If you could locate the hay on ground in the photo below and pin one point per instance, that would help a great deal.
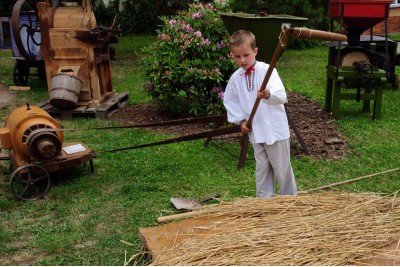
(318, 229)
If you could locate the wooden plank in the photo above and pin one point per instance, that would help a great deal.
(47, 107)
(94, 78)
(19, 88)
(85, 95)
(111, 106)
(117, 98)
(66, 14)
(42, 104)
(73, 18)
(386, 256)
(91, 110)
(65, 115)
(69, 53)
(158, 238)
(72, 38)
(68, 38)
(104, 111)
(104, 72)
(44, 20)
(80, 109)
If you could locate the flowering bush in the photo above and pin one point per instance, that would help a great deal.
(189, 65)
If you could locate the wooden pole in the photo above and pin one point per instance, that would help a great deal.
(294, 32)
(348, 181)
(280, 47)
(183, 215)
(316, 34)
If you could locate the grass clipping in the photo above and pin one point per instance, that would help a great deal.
(318, 229)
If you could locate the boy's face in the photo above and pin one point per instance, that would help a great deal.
(244, 55)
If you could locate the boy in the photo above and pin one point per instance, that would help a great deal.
(269, 133)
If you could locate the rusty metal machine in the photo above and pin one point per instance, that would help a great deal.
(359, 69)
(36, 150)
(76, 54)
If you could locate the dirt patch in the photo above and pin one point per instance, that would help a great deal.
(6, 96)
(315, 127)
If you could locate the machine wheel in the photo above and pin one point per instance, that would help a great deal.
(30, 182)
(27, 32)
(365, 69)
(20, 74)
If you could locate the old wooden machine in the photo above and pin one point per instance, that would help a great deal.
(359, 69)
(77, 59)
(37, 149)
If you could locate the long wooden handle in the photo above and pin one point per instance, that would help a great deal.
(347, 181)
(178, 216)
(316, 34)
(294, 32)
(280, 47)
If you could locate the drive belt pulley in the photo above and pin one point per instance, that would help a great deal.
(43, 145)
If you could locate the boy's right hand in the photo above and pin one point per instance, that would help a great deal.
(244, 128)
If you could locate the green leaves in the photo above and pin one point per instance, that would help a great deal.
(188, 60)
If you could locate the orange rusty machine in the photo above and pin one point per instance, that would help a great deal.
(77, 58)
(37, 149)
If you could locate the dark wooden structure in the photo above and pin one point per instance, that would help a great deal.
(76, 54)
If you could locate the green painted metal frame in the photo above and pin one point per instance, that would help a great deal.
(372, 89)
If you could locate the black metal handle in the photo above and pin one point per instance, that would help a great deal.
(209, 198)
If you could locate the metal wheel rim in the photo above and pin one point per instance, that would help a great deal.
(16, 28)
(30, 187)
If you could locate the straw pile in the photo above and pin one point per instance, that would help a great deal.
(318, 229)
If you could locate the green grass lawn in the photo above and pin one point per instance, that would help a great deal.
(84, 217)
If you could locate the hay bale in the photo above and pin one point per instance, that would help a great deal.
(318, 229)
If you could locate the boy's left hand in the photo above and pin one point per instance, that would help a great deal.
(263, 94)
(243, 127)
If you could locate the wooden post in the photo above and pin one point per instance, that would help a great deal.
(243, 151)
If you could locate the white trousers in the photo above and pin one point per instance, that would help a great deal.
(274, 161)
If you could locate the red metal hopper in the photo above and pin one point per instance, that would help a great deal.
(358, 15)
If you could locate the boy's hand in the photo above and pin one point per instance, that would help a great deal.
(263, 94)
(244, 128)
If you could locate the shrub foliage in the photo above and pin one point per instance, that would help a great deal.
(189, 65)
(137, 16)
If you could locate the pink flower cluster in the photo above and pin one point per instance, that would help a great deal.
(197, 15)
(188, 34)
(218, 72)
(164, 37)
(214, 72)
(219, 91)
(207, 6)
(220, 45)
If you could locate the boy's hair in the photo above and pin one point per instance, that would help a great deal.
(243, 37)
